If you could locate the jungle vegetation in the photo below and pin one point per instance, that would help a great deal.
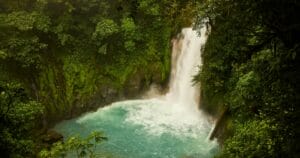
(251, 70)
(58, 56)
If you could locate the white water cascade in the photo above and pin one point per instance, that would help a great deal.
(186, 58)
(178, 113)
(169, 125)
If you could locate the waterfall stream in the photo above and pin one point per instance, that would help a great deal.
(164, 126)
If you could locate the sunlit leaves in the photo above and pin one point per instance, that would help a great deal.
(27, 21)
(97, 136)
(149, 7)
(129, 45)
(3, 54)
(24, 50)
(20, 20)
(105, 28)
(76, 146)
(18, 45)
(130, 33)
(248, 85)
(252, 139)
(18, 117)
(17, 110)
(128, 27)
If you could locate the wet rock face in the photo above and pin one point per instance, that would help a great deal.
(140, 82)
(51, 137)
(108, 94)
(134, 85)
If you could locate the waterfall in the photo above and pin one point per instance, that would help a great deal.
(186, 58)
(178, 110)
(169, 125)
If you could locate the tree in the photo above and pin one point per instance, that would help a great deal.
(255, 138)
(76, 146)
(250, 66)
(19, 117)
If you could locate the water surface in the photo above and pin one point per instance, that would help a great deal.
(156, 134)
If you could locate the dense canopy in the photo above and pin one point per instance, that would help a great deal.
(251, 68)
(60, 58)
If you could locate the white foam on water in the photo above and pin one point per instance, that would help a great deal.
(177, 112)
(157, 118)
(169, 124)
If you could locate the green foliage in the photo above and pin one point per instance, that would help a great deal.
(130, 34)
(252, 139)
(245, 93)
(149, 7)
(105, 28)
(19, 116)
(128, 27)
(81, 80)
(67, 53)
(25, 21)
(18, 40)
(250, 66)
(75, 147)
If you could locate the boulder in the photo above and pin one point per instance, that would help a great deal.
(51, 137)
